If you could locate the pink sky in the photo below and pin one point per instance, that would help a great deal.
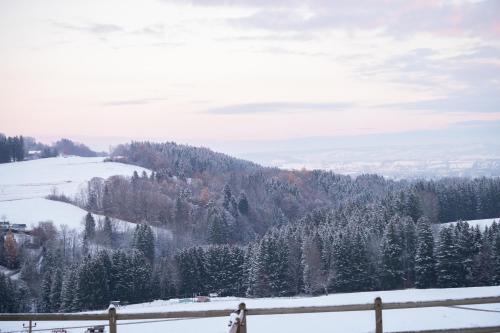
(277, 70)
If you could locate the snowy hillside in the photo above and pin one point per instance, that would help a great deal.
(473, 223)
(411, 319)
(37, 178)
(24, 185)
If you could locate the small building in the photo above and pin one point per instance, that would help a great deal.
(202, 299)
(19, 226)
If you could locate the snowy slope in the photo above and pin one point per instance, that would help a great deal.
(473, 223)
(32, 211)
(24, 185)
(37, 178)
(364, 321)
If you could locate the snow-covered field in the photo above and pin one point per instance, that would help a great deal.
(473, 223)
(24, 185)
(363, 321)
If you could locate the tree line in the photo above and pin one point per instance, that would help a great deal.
(11, 148)
(318, 255)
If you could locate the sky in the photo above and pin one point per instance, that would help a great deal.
(206, 71)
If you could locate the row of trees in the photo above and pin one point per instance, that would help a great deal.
(317, 255)
(11, 148)
(96, 281)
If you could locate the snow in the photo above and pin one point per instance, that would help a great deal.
(24, 186)
(362, 321)
(473, 223)
(37, 178)
(32, 211)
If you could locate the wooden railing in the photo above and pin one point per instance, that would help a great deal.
(377, 306)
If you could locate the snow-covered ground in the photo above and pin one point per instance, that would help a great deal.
(24, 186)
(32, 211)
(362, 321)
(473, 223)
(37, 178)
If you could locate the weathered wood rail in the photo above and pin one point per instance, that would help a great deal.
(113, 317)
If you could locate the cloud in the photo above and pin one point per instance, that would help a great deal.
(93, 28)
(278, 107)
(396, 18)
(475, 101)
(131, 102)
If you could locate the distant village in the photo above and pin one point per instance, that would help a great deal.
(6, 225)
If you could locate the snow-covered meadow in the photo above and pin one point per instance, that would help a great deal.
(24, 186)
(482, 224)
(362, 321)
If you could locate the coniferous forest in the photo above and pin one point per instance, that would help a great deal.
(210, 223)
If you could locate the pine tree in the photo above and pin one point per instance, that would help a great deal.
(108, 232)
(68, 290)
(55, 290)
(89, 226)
(496, 256)
(483, 265)
(409, 242)
(218, 227)
(45, 304)
(392, 252)
(272, 276)
(465, 252)
(8, 302)
(243, 206)
(425, 274)
(447, 260)
(144, 241)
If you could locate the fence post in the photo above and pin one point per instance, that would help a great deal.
(243, 315)
(378, 315)
(112, 319)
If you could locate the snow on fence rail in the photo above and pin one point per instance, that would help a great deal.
(112, 317)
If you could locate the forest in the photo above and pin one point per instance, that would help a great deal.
(210, 223)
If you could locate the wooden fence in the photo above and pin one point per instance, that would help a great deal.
(377, 306)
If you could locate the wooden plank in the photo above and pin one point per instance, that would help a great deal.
(174, 314)
(378, 315)
(52, 316)
(489, 329)
(310, 309)
(449, 302)
(255, 312)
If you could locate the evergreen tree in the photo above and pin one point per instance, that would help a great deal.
(108, 232)
(409, 242)
(465, 253)
(68, 290)
(392, 252)
(243, 206)
(272, 274)
(447, 260)
(89, 226)
(45, 299)
(483, 265)
(218, 227)
(496, 256)
(8, 302)
(144, 241)
(425, 274)
(55, 290)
